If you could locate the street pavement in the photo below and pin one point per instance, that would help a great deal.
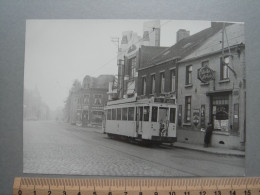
(52, 147)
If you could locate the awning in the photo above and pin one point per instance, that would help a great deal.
(219, 92)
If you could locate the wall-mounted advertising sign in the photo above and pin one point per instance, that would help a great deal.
(205, 74)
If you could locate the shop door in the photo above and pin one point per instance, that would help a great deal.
(220, 112)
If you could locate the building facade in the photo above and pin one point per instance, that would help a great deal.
(220, 100)
(87, 102)
(130, 54)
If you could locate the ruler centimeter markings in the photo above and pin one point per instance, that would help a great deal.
(182, 186)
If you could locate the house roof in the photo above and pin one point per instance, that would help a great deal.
(186, 45)
(148, 52)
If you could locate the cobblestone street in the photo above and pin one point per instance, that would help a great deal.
(58, 148)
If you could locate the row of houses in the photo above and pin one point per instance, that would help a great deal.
(204, 72)
(86, 100)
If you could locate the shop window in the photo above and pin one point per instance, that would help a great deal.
(220, 112)
(143, 85)
(118, 113)
(146, 113)
(173, 80)
(162, 82)
(124, 114)
(98, 99)
(131, 113)
(224, 70)
(189, 75)
(172, 115)
(188, 109)
(153, 84)
(154, 114)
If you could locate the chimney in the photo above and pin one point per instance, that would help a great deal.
(181, 34)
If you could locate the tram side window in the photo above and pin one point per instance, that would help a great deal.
(113, 114)
(154, 114)
(141, 110)
(118, 112)
(131, 113)
(146, 113)
(124, 114)
(109, 114)
(172, 115)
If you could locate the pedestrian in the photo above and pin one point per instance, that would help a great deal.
(208, 135)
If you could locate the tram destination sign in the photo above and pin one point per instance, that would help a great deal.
(205, 74)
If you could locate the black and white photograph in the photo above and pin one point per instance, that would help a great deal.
(147, 98)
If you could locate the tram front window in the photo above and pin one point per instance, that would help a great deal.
(154, 113)
(172, 115)
(163, 114)
(146, 113)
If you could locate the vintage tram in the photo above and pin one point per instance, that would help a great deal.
(146, 120)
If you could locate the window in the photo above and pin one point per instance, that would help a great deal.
(131, 113)
(172, 115)
(124, 114)
(113, 114)
(118, 114)
(153, 84)
(109, 114)
(132, 69)
(146, 113)
(86, 99)
(224, 72)
(97, 99)
(143, 85)
(205, 63)
(188, 109)
(162, 80)
(188, 74)
(154, 114)
(173, 80)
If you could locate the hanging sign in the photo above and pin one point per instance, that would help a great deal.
(205, 74)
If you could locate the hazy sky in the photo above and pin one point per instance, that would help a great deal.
(59, 51)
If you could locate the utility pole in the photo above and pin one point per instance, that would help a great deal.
(116, 41)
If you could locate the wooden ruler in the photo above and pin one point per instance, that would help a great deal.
(186, 186)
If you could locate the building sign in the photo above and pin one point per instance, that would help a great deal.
(196, 116)
(205, 74)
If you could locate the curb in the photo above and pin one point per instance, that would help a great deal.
(210, 152)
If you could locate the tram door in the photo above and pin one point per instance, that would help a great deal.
(139, 120)
(163, 121)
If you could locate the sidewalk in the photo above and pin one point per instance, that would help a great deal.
(220, 151)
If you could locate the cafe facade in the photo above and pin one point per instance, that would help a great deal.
(212, 89)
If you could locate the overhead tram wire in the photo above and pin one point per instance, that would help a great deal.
(108, 62)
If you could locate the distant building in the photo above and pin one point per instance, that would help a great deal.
(181, 34)
(87, 102)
